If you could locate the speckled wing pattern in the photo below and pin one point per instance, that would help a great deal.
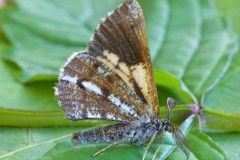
(113, 78)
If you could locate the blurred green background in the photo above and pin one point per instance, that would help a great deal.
(195, 52)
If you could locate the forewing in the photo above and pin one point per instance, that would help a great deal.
(112, 79)
(180, 140)
(120, 43)
(88, 89)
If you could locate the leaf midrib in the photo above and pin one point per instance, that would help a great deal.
(34, 145)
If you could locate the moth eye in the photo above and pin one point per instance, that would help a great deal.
(166, 128)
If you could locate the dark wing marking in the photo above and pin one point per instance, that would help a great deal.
(121, 38)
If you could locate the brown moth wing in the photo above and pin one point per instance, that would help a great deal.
(88, 89)
(120, 42)
(113, 79)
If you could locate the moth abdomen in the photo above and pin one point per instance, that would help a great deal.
(107, 134)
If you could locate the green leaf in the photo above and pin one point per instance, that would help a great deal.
(156, 16)
(201, 146)
(31, 143)
(181, 36)
(191, 43)
(32, 97)
(221, 102)
(212, 120)
(164, 79)
(229, 142)
(225, 95)
(229, 9)
(197, 50)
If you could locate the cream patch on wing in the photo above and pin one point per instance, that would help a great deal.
(69, 79)
(92, 87)
(124, 68)
(111, 62)
(122, 105)
(113, 58)
(139, 74)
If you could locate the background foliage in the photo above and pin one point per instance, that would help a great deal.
(194, 48)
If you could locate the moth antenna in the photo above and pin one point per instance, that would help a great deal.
(179, 138)
(170, 105)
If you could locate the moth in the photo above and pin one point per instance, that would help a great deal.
(113, 80)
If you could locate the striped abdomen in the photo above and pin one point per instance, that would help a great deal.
(107, 134)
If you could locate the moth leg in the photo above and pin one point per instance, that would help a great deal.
(161, 142)
(109, 146)
(148, 145)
